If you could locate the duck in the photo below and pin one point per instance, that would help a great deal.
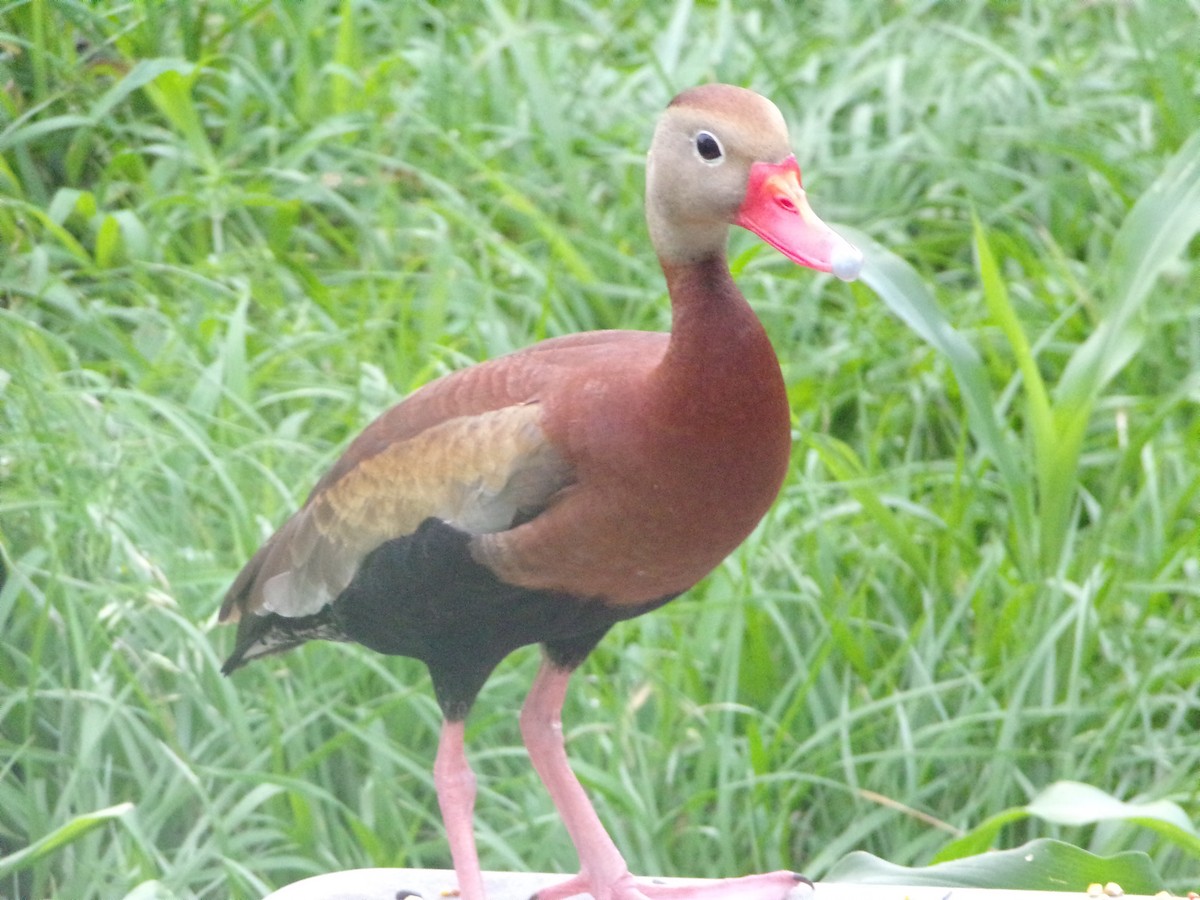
(543, 496)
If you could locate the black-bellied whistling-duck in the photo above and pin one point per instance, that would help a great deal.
(545, 495)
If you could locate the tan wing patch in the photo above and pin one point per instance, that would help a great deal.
(476, 472)
(479, 473)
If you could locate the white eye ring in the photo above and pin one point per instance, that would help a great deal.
(708, 148)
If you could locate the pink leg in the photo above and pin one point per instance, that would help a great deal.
(455, 784)
(602, 870)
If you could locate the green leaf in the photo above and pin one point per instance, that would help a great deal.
(981, 838)
(23, 130)
(1158, 228)
(1073, 803)
(135, 239)
(1042, 865)
(68, 201)
(108, 242)
(63, 237)
(1055, 449)
(843, 463)
(347, 97)
(995, 293)
(906, 294)
(142, 74)
(60, 837)
(171, 92)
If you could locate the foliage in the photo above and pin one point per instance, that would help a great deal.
(1042, 865)
(235, 230)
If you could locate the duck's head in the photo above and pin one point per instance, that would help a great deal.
(720, 156)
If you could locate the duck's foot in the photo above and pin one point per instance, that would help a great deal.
(770, 886)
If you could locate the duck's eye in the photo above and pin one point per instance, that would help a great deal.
(709, 147)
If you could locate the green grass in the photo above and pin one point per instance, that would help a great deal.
(233, 232)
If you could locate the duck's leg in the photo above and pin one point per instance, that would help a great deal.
(455, 784)
(602, 870)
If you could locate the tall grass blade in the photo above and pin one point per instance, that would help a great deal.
(1054, 456)
(60, 837)
(144, 72)
(908, 297)
(1161, 224)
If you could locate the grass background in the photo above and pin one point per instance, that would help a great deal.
(235, 231)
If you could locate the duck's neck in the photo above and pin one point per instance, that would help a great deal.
(718, 394)
(713, 328)
(719, 366)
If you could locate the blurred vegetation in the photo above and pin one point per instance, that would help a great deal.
(235, 231)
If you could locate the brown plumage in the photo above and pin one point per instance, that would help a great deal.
(545, 495)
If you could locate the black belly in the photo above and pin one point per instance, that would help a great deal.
(424, 596)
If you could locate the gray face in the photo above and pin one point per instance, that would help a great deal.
(699, 163)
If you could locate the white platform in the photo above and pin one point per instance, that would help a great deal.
(435, 884)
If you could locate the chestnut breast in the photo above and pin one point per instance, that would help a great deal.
(678, 446)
